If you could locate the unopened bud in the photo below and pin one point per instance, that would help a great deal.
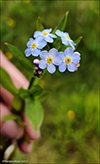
(39, 72)
(36, 68)
(36, 61)
(34, 73)
(38, 75)
(77, 65)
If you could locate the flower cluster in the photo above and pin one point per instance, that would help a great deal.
(64, 60)
(37, 71)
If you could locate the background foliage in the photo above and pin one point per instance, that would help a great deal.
(70, 131)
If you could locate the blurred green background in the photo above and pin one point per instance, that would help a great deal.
(70, 130)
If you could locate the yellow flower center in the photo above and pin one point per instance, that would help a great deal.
(49, 60)
(34, 45)
(68, 60)
(68, 37)
(45, 33)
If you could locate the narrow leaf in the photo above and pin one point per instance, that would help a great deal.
(77, 41)
(53, 32)
(10, 117)
(7, 82)
(34, 112)
(15, 118)
(21, 58)
(39, 26)
(61, 26)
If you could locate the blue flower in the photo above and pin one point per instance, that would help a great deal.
(34, 46)
(49, 60)
(69, 60)
(45, 35)
(65, 38)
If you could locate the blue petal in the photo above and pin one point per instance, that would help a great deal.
(66, 34)
(65, 40)
(28, 52)
(71, 44)
(31, 39)
(48, 39)
(72, 67)
(44, 54)
(42, 44)
(75, 58)
(57, 60)
(35, 52)
(37, 33)
(68, 51)
(51, 68)
(52, 35)
(62, 67)
(61, 55)
(47, 30)
(39, 39)
(42, 64)
(59, 33)
(53, 52)
(77, 53)
(30, 42)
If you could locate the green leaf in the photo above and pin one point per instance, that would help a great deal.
(39, 26)
(57, 43)
(14, 117)
(53, 32)
(77, 41)
(34, 112)
(63, 47)
(61, 26)
(43, 96)
(33, 91)
(21, 58)
(17, 103)
(10, 117)
(24, 93)
(36, 90)
(7, 82)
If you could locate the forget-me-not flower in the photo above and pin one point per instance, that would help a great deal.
(34, 46)
(69, 60)
(65, 38)
(45, 35)
(49, 60)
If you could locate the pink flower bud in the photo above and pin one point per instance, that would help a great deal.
(34, 73)
(39, 72)
(36, 61)
(36, 68)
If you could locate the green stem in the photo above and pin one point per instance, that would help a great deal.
(35, 80)
(31, 82)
